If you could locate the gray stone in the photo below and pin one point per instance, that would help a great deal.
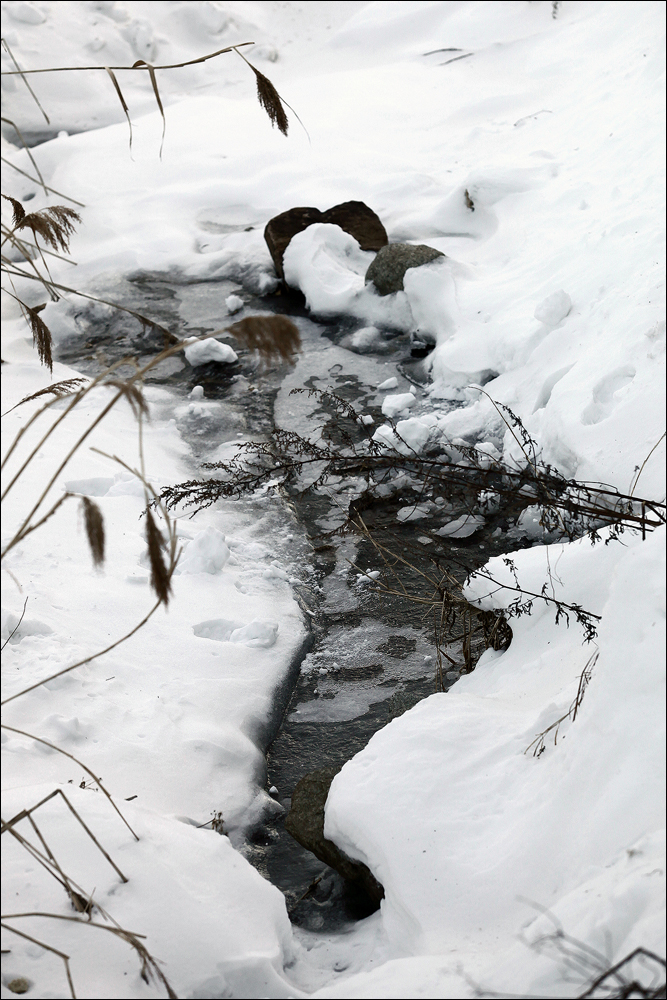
(354, 217)
(305, 822)
(19, 985)
(388, 269)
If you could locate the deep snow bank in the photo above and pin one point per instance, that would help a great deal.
(462, 826)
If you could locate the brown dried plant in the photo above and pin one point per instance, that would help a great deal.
(94, 523)
(41, 335)
(160, 575)
(275, 338)
(59, 389)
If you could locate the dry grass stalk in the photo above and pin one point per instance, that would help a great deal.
(47, 947)
(46, 187)
(59, 389)
(58, 749)
(270, 99)
(48, 861)
(54, 224)
(275, 338)
(150, 970)
(151, 71)
(41, 336)
(122, 100)
(16, 627)
(539, 743)
(25, 145)
(140, 64)
(133, 395)
(9, 52)
(94, 523)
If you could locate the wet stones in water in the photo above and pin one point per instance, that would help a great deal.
(354, 217)
(305, 822)
(388, 269)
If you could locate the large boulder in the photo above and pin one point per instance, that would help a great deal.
(305, 822)
(354, 217)
(388, 269)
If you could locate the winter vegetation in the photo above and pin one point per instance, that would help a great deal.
(157, 444)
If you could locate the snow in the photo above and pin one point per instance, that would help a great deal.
(532, 163)
(206, 553)
(201, 352)
(492, 827)
(554, 308)
(234, 303)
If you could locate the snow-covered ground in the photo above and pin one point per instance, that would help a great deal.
(551, 294)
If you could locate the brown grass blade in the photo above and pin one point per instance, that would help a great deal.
(122, 100)
(160, 577)
(273, 337)
(22, 75)
(151, 70)
(94, 523)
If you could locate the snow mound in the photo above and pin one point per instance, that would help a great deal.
(206, 553)
(200, 352)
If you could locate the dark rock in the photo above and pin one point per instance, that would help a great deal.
(354, 217)
(359, 221)
(388, 269)
(305, 822)
(280, 230)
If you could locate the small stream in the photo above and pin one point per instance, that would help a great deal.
(371, 654)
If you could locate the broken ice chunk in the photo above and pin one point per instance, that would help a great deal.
(462, 527)
(393, 405)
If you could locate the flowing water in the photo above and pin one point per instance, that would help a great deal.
(371, 654)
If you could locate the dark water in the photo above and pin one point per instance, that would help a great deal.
(371, 653)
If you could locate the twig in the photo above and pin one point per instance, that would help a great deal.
(80, 663)
(98, 781)
(77, 69)
(46, 186)
(16, 626)
(636, 480)
(47, 947)
(22, 74)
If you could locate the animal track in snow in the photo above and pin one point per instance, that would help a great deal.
(603, 401)
(548, 386)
